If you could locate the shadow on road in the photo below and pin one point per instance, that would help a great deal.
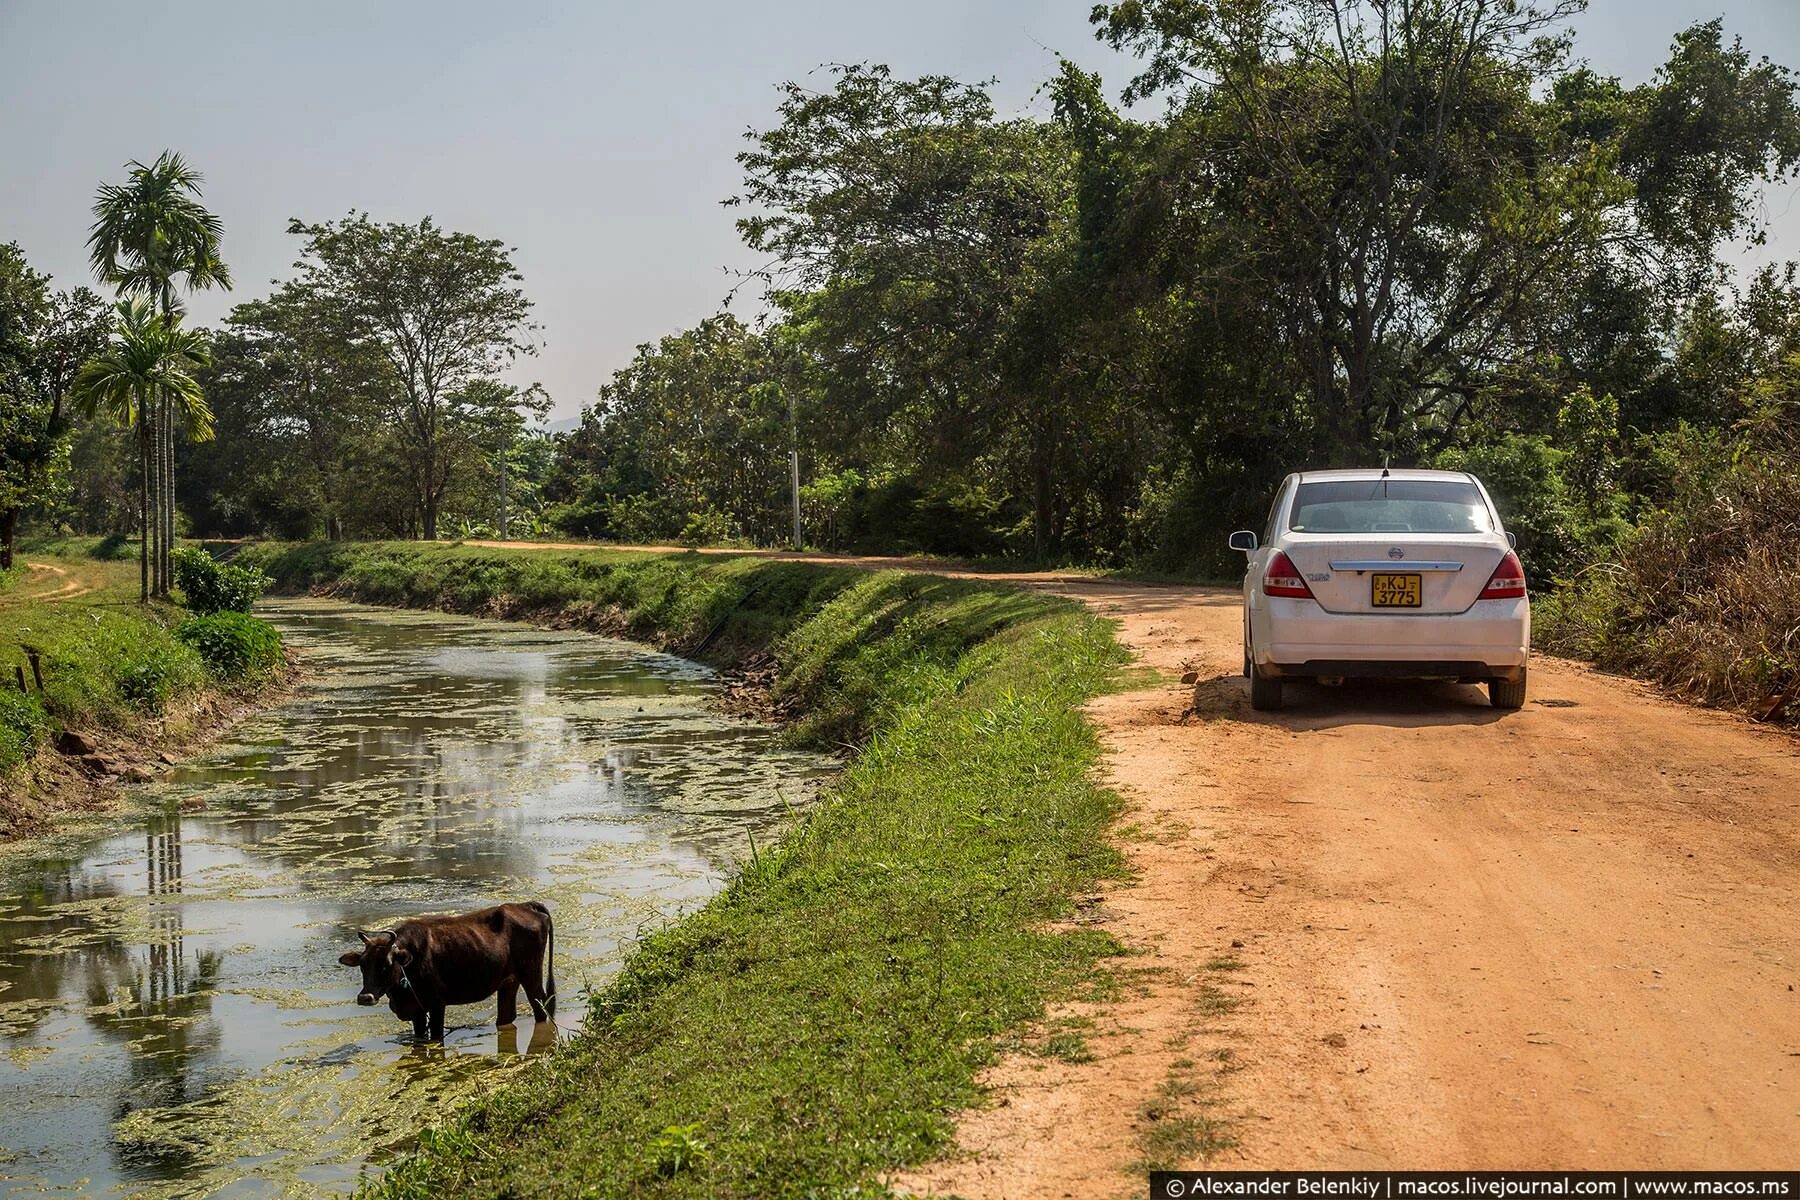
(1307, 706)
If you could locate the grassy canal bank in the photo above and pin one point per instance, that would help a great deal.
(824, 1017)
(96, 688)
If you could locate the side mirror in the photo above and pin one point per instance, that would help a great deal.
(1512, 539)
(1243, 540)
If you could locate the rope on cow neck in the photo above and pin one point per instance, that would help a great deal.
(393, 940)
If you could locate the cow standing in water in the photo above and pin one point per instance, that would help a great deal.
(426, 963)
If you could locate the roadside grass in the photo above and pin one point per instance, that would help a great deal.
(105, 661)
(823, 1018)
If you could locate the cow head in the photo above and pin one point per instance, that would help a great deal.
(383, 965)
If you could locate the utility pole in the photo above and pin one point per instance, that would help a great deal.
(794, 463)
(505, 441)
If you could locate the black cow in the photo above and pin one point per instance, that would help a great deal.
(426, 963)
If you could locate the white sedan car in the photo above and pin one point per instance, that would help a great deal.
(1402, 574)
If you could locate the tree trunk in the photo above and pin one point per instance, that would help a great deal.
(9, 530)
(156, 554)
(162, 482)
(165, 491)
(143, 504)
(168, 494)
(1040, 499)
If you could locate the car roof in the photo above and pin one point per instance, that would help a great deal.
(1375, 473)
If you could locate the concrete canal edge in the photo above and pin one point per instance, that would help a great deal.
(822, 1020)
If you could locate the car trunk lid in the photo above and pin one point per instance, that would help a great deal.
(1395, 575)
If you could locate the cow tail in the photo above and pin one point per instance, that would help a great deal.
(549, 959)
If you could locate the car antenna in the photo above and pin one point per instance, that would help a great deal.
(1385, 459)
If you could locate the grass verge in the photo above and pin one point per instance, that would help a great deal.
(133, 677)
(824, 1017)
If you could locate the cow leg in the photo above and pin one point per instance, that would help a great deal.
(509, 1002)
(419, 1027)
(534, 992)
(436, 1017)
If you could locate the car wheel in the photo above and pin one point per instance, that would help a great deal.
(1265, 693)
(1507, 693)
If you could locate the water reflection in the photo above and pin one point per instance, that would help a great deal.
(173, 1017)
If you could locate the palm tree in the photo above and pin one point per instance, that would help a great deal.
(146, 232)
(146, 367)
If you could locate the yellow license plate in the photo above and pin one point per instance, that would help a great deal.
(1389, 590)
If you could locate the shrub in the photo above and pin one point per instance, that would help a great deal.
(148, 667)
(210, 586)
(1704, 596)
(233, 645)
(1534, 484)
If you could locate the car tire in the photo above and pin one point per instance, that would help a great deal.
(1507, 693)
(1265, 692)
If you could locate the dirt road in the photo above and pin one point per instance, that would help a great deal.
(1393, 926)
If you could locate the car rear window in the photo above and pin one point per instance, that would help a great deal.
(1389, 506)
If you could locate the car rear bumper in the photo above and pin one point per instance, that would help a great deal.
(1359, 668)
(1490, 641)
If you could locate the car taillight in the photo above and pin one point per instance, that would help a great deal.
(1282, 578)
(1507, 582)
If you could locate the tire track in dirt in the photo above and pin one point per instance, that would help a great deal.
(67, 586)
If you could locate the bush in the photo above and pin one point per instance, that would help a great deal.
(1704, 596)
(1532, 482)
(233, 645)
(209, 586)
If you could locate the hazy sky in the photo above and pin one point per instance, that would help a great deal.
(597, 138)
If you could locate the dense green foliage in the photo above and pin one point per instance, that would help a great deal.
(44, 339)
(824, 1017)
(210, 586)
(1704, 595)
(234, 645)
(1435, 238)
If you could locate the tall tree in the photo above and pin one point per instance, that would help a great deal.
(1414, 194)
(44, 339)
(300, 412)
(147, 233)
(150, 361)
(906, 227)
(442, 308)
(490, 419)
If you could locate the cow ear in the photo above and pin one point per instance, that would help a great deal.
(350, 958)
(400, 956)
